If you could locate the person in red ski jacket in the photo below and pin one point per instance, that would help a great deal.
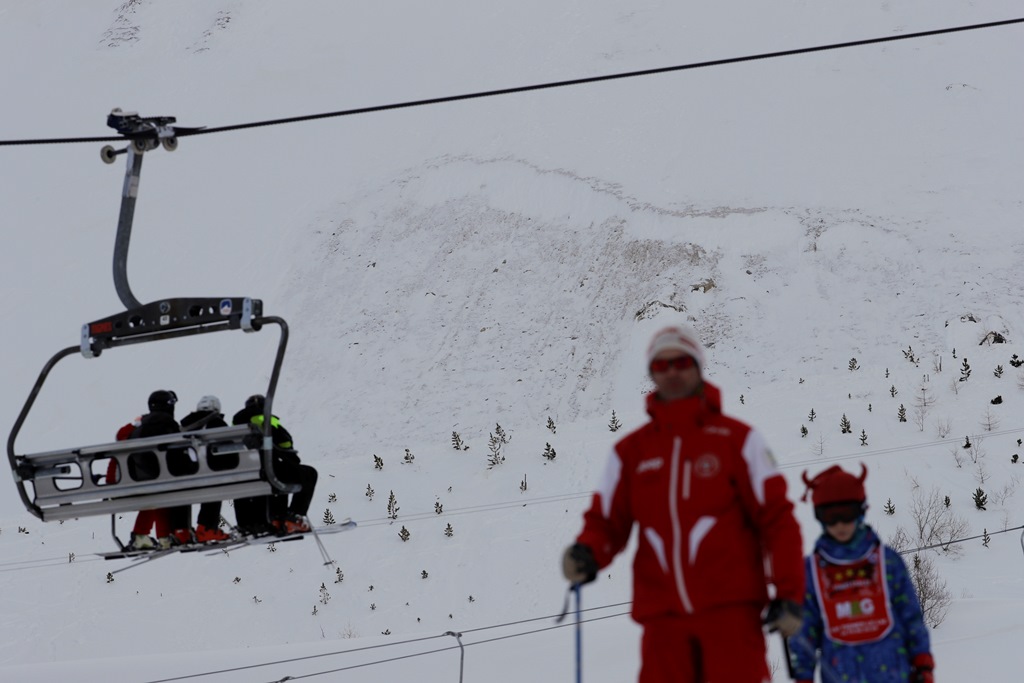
(715, 529)
(146, 519)
(159, 420)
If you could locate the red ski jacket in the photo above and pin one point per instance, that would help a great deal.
(715, 525)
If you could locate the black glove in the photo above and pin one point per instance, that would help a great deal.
(784, 616)
(578, 564)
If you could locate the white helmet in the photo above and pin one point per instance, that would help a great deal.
(208, 403)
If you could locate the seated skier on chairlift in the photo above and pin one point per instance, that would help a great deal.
(172, 524)
(207, 415)
(146, 519)
(283, 518)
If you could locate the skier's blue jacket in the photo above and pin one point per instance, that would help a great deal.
(885, 661)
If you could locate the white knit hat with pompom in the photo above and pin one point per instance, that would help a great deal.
(678, 337)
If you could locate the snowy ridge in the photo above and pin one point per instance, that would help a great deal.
(501, 262)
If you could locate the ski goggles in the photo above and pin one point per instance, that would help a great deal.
(680, 363)
(839, 513)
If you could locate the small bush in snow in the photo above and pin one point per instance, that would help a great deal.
(496, 457)
(392, 506)
(934, 522)
(844, 425)
(500, 433)
(931, 590)
(909, 355)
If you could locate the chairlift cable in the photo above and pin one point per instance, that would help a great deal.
(393, 644)
(484, 628)
(539, 86)
(513, 635)
(959, 540)
(445, 649)
(895, 449)
(294, 659)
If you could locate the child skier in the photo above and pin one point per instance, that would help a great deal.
(862, 620)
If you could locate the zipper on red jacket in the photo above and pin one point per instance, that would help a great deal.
(687, 472)
(674, 495)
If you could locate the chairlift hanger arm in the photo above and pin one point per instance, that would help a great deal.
(268, 441)
(145, 134)
(23, 471)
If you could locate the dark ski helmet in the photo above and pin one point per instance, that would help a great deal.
(162, 401)
(256, 402)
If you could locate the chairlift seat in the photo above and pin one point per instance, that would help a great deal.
(161, 471)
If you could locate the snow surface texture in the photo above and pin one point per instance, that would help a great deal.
(502, 261)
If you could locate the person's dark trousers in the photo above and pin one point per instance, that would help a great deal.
(291, 471)
(251, 514)
(209, 515)
(179, 517)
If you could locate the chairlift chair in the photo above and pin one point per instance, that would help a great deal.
(162, 471)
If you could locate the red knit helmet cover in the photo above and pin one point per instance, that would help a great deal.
(836, 486)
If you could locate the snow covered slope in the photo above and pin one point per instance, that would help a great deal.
(503, 261)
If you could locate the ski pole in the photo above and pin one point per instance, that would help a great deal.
(579, 634)
(789, 659)
(575, 589)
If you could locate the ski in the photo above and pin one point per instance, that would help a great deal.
(227, 546)
(138, 556)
